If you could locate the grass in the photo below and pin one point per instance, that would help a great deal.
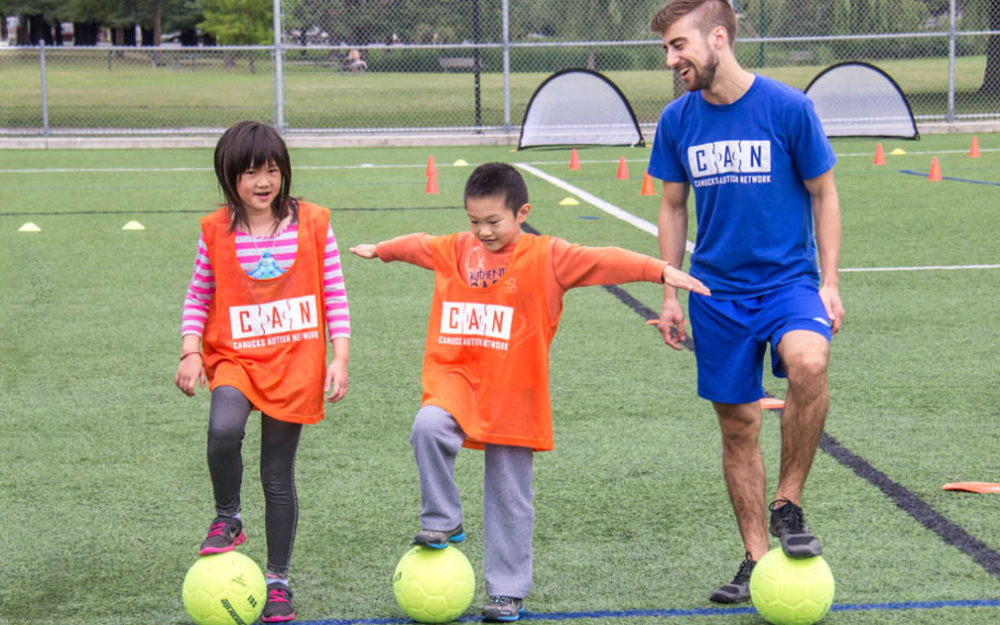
(105, 492)
(101, 89)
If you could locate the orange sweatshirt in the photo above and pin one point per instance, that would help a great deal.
(493, 317)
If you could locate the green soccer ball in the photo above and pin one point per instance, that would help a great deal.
(791, 591)
(434, 585)
(224, 589)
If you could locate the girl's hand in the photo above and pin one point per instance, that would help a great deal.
(190, 372)
(364, 250)
(336, 380)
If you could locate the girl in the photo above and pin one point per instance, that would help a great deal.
(267, 268)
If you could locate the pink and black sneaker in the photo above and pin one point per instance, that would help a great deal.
(224, 535)
(278, 608)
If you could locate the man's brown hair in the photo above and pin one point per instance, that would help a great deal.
(712, 13)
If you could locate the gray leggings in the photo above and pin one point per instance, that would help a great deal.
(279, 441)
(508, 509)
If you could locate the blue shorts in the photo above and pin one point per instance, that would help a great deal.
(730, 337)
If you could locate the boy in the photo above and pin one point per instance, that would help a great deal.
(496, 306)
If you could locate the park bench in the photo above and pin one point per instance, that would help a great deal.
(800, 56)
(456, 62)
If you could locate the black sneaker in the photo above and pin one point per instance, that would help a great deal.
(500, 609)
(738, 590)
(788, 524)
(278, 608)
(439, 540)
(224, 535)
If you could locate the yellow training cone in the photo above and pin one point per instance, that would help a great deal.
(569, 201)
(133, 225)
(460, 163)
(29, 227)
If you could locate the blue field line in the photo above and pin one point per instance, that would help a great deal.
(924, 174)
(612, 614)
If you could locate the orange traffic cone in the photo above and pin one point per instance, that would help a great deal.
(432, 177)
(974, 150)
(574, 161)
(935, 174)
(879, 155)
(622, 169)
(647, 185)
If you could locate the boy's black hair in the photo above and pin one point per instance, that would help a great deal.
(252, 144)
(498, 180)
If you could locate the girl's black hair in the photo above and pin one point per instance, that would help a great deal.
(498, 180)
(250, 144)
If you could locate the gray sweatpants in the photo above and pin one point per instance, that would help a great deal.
(508, 511)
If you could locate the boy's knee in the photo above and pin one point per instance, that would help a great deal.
(430, 423)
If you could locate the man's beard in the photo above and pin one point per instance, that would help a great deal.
(704, 76)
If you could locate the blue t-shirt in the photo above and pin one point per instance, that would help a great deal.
(746, 162)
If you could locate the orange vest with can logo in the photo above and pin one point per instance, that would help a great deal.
(267, 337)
(487, 355)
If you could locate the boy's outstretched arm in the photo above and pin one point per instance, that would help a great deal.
(577, 265)
(364, 250)
(409, 248)
(681, 280)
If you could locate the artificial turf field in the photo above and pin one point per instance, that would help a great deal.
(105, 492)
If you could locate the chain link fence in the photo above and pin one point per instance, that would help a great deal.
(469, 67)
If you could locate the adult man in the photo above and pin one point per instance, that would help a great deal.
(762, 170)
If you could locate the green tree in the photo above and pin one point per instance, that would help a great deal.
(239, 22)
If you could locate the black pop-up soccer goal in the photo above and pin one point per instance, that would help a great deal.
(578, 107)
(860, 100)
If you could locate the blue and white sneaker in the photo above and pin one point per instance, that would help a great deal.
(501, 609)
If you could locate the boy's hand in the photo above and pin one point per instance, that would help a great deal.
(681, 280)
(364, 250)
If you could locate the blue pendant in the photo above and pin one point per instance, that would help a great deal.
(266, 267)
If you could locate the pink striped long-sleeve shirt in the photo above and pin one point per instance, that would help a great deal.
(283, 248)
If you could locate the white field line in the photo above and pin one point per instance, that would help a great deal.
(917, 268)
(597, 202)
(88, 170)
(119, 170)
(646, 226)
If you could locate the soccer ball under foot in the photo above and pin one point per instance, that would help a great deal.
(434, 585)
(791, 591)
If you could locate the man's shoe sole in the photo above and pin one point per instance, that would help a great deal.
(803, 554)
